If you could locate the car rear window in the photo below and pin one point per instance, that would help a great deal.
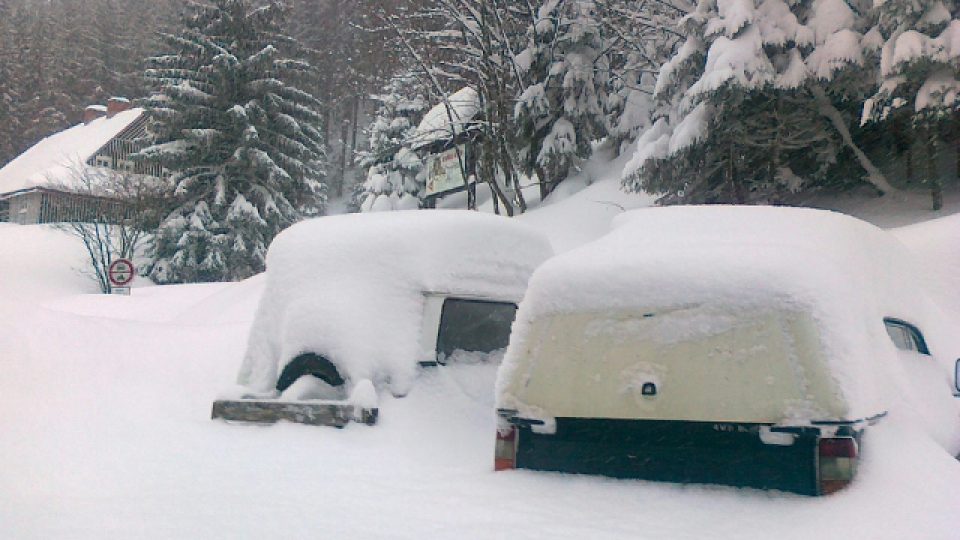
(905, 336)
(473, 325)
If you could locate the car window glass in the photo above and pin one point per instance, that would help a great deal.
(905, 336)
(473, 325)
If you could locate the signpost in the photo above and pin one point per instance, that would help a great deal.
(444, 172)
(120, 274)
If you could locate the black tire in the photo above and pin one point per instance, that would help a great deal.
(309, 364)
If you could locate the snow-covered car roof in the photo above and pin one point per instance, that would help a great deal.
(351, 287)
(846, 273)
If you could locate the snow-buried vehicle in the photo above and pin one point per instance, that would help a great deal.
(748, 346)
(354, 304)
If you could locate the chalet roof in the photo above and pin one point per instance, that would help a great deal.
(51, 161)
(447, 118)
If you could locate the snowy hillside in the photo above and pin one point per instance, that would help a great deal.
(105, 404)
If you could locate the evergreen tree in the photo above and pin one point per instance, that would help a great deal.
(748, 106)
(58, 56)
(920, 89)
(642, 36)
(9, 91)
(242, 142)
(393, 169)
(561, 111)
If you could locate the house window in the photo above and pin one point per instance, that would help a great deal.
(473, 326)
(104, 161)
(905, 336)
(4, 211)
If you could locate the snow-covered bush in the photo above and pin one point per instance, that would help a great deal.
(393, 181)
(561, 110)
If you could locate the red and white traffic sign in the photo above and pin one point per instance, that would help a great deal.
(120, 272)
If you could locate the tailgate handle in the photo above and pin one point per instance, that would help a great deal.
(525, 422)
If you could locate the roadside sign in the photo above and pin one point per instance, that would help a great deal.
(124, 291)
(444, 172)
(120, 273)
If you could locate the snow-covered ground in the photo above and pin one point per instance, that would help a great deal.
(105, 430)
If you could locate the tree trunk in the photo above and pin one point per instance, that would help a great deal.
(542, 181)
(739, 194)
(874, 176)
(344, 127)
(909, 160)
(326, 125)
(521, 201)
(354, 118)
(956, 146)
(933, 176)
(510, 179)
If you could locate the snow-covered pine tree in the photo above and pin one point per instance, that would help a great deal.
(9, 91)
(920, 89)
(747, 107)
(724, 102)
(242, 142)
(561, 110)
(392, 181)
(642, 38)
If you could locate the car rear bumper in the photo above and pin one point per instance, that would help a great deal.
(733, 454)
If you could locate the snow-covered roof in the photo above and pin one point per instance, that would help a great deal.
(52, 160)
(447, 118)
(846, 273)
(351, 287)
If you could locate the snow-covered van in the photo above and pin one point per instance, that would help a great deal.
(354, 304)
(747, 346)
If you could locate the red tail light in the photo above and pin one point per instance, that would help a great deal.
(505, 453)
(837, 463)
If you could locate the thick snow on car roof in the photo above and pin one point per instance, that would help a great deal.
(846, 273)
(351, 287)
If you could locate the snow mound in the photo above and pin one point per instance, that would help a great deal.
(350, 288)
(41, 262)
(846, 273)
(937, 243)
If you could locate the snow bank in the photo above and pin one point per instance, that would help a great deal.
(40, 262)
(937, 243)
(350, 287)
(847, 274)
(55, 158)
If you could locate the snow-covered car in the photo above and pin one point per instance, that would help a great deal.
(355, 304)
(747, 346)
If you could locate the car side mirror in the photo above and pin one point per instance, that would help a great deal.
(956, 378)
